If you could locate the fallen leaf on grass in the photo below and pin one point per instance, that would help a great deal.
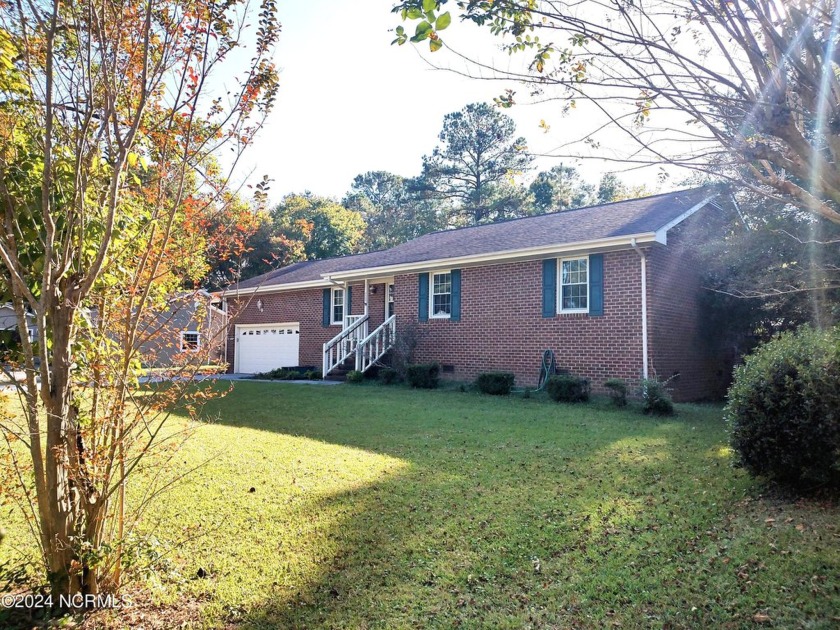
(761, 618)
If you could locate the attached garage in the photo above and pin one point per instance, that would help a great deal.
(264, 347)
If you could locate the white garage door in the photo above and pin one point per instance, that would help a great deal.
(263, 347)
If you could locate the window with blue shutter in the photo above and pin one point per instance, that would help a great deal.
(456, 295)
(423, 298)
(596, 284)
(325, 321)
(549, 282)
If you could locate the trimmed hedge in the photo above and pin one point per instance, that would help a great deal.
(423, 375)
(495, 383)
(289, 374)
(784, 409)
(567, 388)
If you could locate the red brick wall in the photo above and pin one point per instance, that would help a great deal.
(304, 306)
(677, 341)
(502, 327)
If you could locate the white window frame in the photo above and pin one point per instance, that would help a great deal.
(185, 347)
(560, 308)
(389, 294)
(333, 293)
(432, 294)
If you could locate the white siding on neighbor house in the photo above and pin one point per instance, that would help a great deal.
(8, 321)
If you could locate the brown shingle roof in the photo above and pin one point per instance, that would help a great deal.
(621, 218)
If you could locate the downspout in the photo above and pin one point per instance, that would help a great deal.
(643, 258)
(226, 325)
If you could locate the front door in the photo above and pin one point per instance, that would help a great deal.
(389, 300)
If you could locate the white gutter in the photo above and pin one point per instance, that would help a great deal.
(273, 288)
(643, 257)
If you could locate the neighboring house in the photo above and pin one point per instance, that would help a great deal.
(611, 289)
(192, 327)
(8, 321)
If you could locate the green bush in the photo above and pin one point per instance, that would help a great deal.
(655, 398)
(495, 383)
(289, 374)
(618, 391)
(784, 409)
(567, 388)
(355, 377)
(388, 376)
(423, 375)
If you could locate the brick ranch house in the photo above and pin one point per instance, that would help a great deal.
(613, 290)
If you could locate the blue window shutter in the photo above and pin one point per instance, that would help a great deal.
(596, 284)
(326, 319)
(348, 301)
(455, 315)
(549, 282)
(423, 301)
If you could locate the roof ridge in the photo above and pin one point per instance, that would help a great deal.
(555, 212)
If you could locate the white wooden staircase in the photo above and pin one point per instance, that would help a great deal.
(355, 342)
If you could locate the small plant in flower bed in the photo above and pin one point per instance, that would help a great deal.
(618, 391)
(388, 376)
(313, 375)
(567, 388)
(495, 383)
(423, 375)
(355, 377)
(657, 401)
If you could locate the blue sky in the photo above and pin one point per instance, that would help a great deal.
(350, 102)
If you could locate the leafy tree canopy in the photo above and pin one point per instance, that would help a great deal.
(307, 227)
(475, 164)
(748, 91)
(393, 209)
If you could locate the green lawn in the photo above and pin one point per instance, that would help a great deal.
(382, 507)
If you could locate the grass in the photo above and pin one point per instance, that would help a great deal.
(374, 507)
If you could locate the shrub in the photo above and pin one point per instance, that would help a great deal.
(313, 375)
(618, 391)
(355, 377)
(655, 398)
(495, 383)
(784, 409)
(567, 388)
(388, 376)
(423, 375)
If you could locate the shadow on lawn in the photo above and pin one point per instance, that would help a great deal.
(512, 513)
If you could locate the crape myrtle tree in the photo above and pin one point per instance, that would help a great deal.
(746, 90)
(475, 164)
(109, 122)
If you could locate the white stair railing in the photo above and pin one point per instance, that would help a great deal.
(337, 349)
(370, 349)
